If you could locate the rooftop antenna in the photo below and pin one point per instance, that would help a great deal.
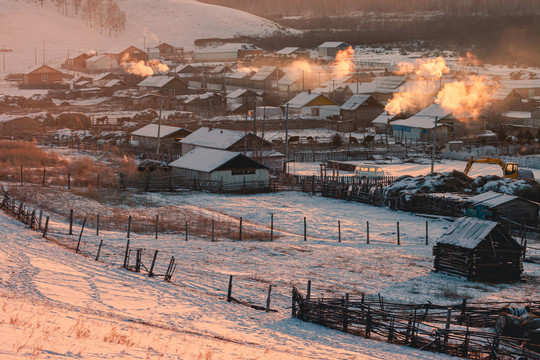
(159, 125)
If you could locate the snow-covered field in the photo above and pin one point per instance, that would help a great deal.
(57, 304)
(35, 32)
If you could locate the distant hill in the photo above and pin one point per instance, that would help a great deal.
(52, 32)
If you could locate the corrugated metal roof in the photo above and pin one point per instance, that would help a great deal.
(287, 50)
(491, 199)
(263, 73)
(355, 101)
(467, 232)
(332, 44)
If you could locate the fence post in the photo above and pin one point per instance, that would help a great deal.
(427, 242)
(40, 215)
(463, 311)
(21, 175)
(524, 248)
(99, 249)
(339, 230)
(308, 295)
(151, 273)
(212, 229)
(43, 181)
(229, 290)
(398, 240)
(80, 236)
(186, 231)
(69, 181)
(97, 225)
(70, 222)
(268, 298)
(346, 313)
(97, 182)
(367, 230)
(46, 227)
(138, 260)
(305, 229)
(157, 223)
(447, 327)
(129, 226)
(126, 255)
(271, 226)
(240, 231)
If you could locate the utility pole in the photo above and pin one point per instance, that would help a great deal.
(434, 142)
(286, 139)
(35, 56)
(44, 53)
(159, 125)
(4, 51)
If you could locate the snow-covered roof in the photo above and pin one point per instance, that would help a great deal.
(156, 81)
(355, 101)
(263, 73)
(521, 84)
(95, 58)
(234, 107)
(151, 130)
(491, 199)
(114, 82)
(303, 99)
(467, 232)
(333, 44)
(424, 119)
(204, 159)
(384, 118)
(237, 93)
(287, 50)
(238, 74)
(501, 93)
(518, 114)
(213, 138)
(388, 83)
(36, 67)
(104, 75)
(229, 47)
(268, 111)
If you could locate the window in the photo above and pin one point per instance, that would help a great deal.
(44, 77)
(315, 111)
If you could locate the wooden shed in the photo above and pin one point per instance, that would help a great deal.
(510, 209)
(481, 250)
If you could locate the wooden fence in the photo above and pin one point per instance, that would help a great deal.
(137, 260)
(422, 326)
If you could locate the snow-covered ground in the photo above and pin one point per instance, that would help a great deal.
(58, 304)
(37, 32)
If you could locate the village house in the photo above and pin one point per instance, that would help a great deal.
(228, 171)
(331, 48)
(248, 143)
(420, 126)
(104, 78)
(315, 105)
(266, 78)
(42, 76)
(77, 63)
(361, 109)
(226, 52)
(238, 80)
(165, 85)
(100, 63)
(207, 104)
(130, 54)
(191, 75)
(146, 138)
(382, 123)
(246, 97)
(528, 89)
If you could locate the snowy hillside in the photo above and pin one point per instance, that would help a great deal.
(28, 28)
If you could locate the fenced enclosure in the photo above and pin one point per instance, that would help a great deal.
(439, 328)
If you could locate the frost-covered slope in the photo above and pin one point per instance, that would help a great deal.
(28, 28)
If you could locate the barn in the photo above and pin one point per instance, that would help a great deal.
(233, 171)
(481, 250)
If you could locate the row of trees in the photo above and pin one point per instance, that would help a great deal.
(344, 7)
(103, 14)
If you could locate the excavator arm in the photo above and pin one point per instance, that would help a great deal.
(510, 170)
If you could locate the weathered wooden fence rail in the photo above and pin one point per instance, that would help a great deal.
(423, 326)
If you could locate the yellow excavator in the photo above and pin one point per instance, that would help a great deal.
(510, 169)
